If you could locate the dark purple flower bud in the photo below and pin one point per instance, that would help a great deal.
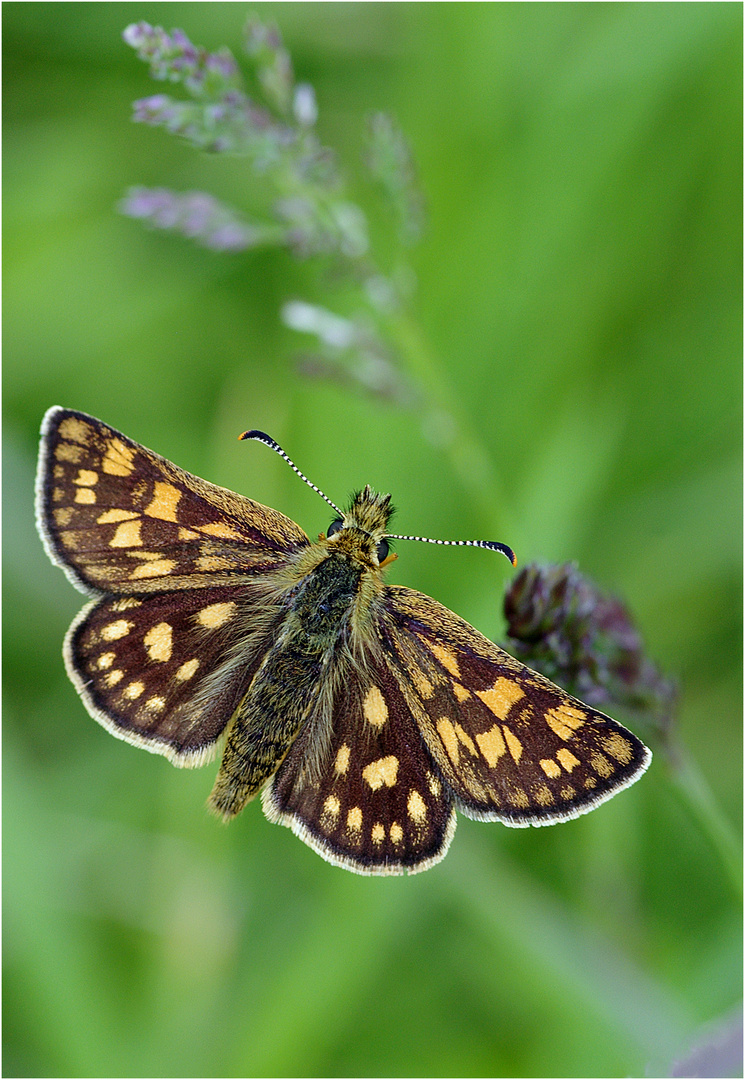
(561, 623)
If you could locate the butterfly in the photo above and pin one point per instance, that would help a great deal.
(365, 714)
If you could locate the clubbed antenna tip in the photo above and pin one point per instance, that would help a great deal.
(492, 545)
(267, 440)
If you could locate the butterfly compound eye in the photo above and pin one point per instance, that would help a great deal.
(382, 551)
(334, 527)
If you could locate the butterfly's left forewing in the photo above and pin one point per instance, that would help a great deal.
(509, 743)
(119, 518)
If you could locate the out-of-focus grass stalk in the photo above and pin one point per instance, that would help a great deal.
(695, 793)
(453, 431)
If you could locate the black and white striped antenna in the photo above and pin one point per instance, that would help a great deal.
(261, 436)
(492, 545)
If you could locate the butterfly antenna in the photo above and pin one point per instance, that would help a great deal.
(493, 545)
(261, 436)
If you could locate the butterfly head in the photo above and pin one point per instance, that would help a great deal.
(362, 528)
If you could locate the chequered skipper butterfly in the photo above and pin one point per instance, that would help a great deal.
(365, 713)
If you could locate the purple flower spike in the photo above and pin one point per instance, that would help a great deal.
(196, 215)
(137, 34)
(173, 57)
(308, 214)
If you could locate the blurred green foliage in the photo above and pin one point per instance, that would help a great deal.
(578, 312)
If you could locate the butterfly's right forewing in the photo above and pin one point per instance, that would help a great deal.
(510, 744)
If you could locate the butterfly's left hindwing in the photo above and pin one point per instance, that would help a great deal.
(509, 743)
(167, 671)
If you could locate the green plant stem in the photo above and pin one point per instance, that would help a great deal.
(469, 457)
(695, 792)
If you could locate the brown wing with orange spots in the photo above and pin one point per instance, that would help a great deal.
(120, 519)
(167, 671)
(359, 785)
(509, 743)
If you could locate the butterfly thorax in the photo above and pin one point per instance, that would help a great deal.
(323, 602)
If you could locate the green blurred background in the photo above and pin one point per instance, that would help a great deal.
(579, 309)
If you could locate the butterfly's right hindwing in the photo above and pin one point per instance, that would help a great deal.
(359, 785)
(510, 744)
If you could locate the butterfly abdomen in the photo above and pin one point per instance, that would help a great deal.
(289, 683)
